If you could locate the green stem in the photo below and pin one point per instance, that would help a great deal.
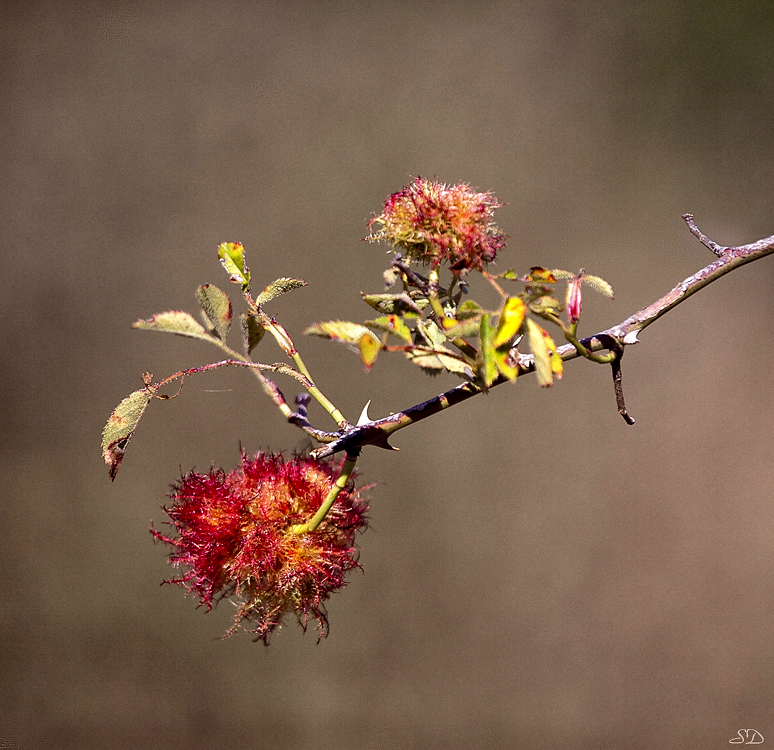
(340, 483)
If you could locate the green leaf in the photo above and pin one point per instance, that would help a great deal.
(278, 287)
(511, 318)
(121, 426)
(252, 331)
(392, 324)
(174, 321)
(598, 284)
(217, 308)
(509, 274)
(392, 304)
(538, 341)
(369, 347)
(461, 329)
(488, 364)
(433, 362)
(232, 256)
(561, 275)
(340, 330)
(432, 333)
(469, 309)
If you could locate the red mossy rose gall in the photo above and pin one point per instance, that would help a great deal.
(432, 222)
(234, 535)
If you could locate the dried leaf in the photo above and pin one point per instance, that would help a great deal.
(217, 308)
(121, 426)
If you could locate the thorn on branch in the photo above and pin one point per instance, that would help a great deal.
(618, 387)
(706, 241)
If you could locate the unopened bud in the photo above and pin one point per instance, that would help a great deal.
(574, 298)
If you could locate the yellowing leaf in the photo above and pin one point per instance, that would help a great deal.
(392, 324)
(511, 318)
(369, 347)
(232, 256)
(538, 342)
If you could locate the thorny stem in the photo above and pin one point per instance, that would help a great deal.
(340, 483)
(613, 339)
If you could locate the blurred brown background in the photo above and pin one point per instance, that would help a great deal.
(538, 574)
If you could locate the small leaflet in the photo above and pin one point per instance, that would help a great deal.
(339, 330)
(511, 318)
(121, 426)
(217, 308)
(174, 321)
(252, 331)
(539, 345)
(277, 288)
(232, 257)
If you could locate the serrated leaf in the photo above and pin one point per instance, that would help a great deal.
(175, 321)
(392, 324)
(395, 304)
(511, 318)
(232, 256)
(217, 308)
(369, 347)
(339, 330)
(433, 334)
(539, 345)
(278, 287)
(252, 331)
(561, 275)
(121, 426)
(598, 284)
(487, 364)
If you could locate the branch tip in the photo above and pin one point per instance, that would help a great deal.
(706, 241)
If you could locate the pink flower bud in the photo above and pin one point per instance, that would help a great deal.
(574, 298)
(234, 538)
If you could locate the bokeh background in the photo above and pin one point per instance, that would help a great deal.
(537, 574)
